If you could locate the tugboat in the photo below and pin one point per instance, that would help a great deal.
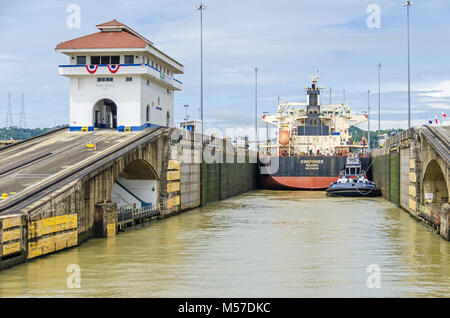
(353, 182)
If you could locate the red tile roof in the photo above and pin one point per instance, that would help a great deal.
(126, 38)
(111, 23)
(104, 40)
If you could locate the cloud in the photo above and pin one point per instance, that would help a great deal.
(287, 40)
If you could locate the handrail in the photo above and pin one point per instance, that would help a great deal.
(105, 65)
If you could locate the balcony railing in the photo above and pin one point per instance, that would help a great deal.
(123, 69)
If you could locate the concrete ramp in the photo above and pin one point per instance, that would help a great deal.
(439, 139)
(30, 167)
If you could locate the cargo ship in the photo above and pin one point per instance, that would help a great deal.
(312, 143)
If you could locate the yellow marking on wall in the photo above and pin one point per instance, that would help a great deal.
(84, 129)
(11, 248)
(65, 240)
(52, 225)
(173, 187)
(60, 241)
(52, 243)
(173, 202)
(48, 226)
(412, 204)
(412, 177)
(127, 129)
(174, 165)
(72, 238)
(412, 164)
(48, 244)
(111, 230)
(173, 175)
(34, 249)
(412, 191)
(11, 222)
(71, 221)
(35, 229)
(11, 235)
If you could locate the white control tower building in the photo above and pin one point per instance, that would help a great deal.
(119, 80)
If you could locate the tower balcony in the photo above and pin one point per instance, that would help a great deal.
(146, 70)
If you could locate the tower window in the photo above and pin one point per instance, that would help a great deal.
(129, 59)
(104, 79)
(81, 60)
(129, 79)
(105, 59)
(148, 82)
(115, 59)
(95, 60)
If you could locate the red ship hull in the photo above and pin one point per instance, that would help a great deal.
(303, 172)
(298, 183)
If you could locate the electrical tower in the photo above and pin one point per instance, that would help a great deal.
(22, 118)
(9, 121)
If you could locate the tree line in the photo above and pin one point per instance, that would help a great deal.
(16, 133)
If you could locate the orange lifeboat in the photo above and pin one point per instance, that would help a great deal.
(284, 137)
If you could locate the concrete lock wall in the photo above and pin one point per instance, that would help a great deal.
(83, 208)
(224, 171)
(400, 171)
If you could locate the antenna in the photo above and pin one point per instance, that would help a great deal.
(9, 121)
(331, 96)
(22, 118)
(315, 76)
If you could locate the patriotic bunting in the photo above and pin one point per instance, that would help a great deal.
(92, 68)
(113, 68)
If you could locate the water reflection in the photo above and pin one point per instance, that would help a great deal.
(261, 244)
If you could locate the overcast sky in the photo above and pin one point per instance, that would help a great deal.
(286, 40)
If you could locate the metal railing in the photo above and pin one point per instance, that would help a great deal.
(130, 214)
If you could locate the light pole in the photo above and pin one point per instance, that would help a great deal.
(267, 128)
(187, 116)
(408, 3)
(201, 7)
(256, 106)
(379, 66)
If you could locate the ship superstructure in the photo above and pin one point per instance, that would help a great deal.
(313, 129)
(313, 142)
